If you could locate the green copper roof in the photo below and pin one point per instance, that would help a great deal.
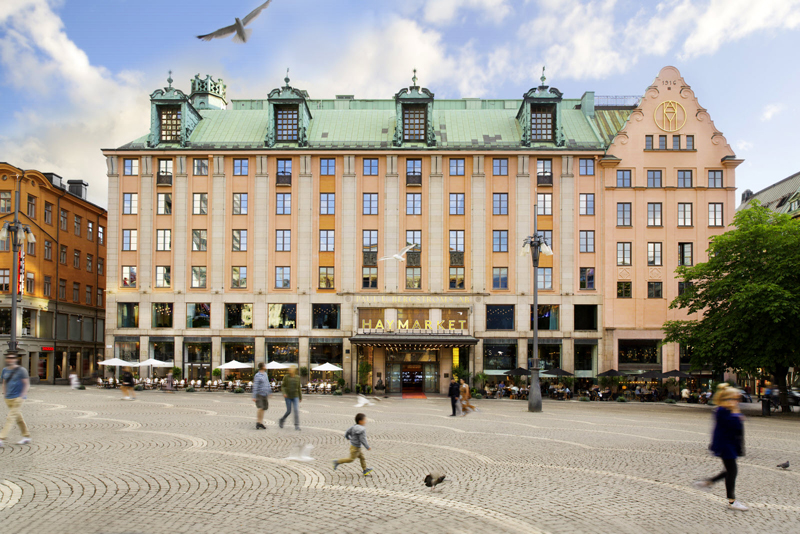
(777, 197)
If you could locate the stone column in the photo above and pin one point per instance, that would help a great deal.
(177, 356)
(305, 244)
(568, 354)
(261, 232)
(479, 223)
(145, 245)
(216, 352)
(391, 225)
(144, 348)
(261, 351)
(180, 220)
(303, 356)
(112, 262)
(566, 249)
(524, 278)
(437, 251)
(349, 242)
(216, 275)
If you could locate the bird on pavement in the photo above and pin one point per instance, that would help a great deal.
(433, 479)
(363, 401)
(399, 255)
(302, 453)
(242, 34)
(784, 465)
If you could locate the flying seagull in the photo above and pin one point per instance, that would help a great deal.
(433, 479)
(302, 453)
(363, 401)
(784, 465)
(399, 255)
(242, 35)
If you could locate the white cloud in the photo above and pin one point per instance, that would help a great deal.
(445, 11)
(770, 110)
(743, 145)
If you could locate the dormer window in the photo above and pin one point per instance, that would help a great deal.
(542, 123)
(286, 123)
(170, 123)
(414, 121)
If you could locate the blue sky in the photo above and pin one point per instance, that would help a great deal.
(75, 75)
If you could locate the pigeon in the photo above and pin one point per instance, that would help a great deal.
(784, 465)
(363, 401)
(302, 453)
(242, 35)
(399, 255)
(433, 479)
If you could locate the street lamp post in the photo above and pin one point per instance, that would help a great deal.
(537, 245)
(19, 233)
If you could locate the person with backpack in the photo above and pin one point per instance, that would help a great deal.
(15, 390)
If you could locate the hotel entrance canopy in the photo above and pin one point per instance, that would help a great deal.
(413, 340)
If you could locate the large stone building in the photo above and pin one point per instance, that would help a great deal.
(61, 311)
(257, 229)
(782, 197)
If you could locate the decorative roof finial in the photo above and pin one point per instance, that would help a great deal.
(543, 77)
(169, 80)
(414, 79)
(287, 77)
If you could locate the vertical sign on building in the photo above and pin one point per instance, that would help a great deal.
(21, 271)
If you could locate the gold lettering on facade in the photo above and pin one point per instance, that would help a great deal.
(366, 324)
(415, 325)
(440, 325)
(462, 323)
(379, 326)
(427, 325)
(389, 324)
(670, 116)
(452, 324)
(402, 325)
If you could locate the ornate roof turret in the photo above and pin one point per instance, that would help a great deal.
(172, 116)
(208, 93)
(414, 115)
(292, 105)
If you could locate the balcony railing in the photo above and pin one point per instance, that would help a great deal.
(456, 258)
(414, 179)
(164, 179)
(370, 258)
(413, 259)
(284, 179)
(544, 178)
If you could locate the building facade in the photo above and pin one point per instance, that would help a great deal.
(781, 197)
(61, 311)
(265, 229)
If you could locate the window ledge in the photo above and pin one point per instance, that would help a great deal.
(670, 150)
(624, 226)
(655, 226)
(686, 226)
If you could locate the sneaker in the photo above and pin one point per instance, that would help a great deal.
(335, 465)
(259, 426)
(368, 472)
(736, 505)
(25, 441)
(703, 485)
(280, 423)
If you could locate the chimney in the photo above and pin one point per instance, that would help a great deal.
(587, 104)
(208, 93)
(747, 195)
(78, 188)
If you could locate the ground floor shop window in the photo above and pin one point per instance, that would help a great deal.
(164, 351)
(5, 321)
(584, 357)
(411, 372)
(286, 353)
(127, 350)
(498, 358)
(327, 352)
(197, 362)
(549, 354)
(283, 315)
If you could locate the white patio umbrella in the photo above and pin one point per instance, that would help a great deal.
(276, 365)
(116, 362)
(152, 362)
(233, 364)
(327, 367)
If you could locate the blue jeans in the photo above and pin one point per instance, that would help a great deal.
(292, 405)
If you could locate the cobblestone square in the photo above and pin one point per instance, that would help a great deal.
(194, 462)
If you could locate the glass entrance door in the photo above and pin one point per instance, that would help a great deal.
(431, 377)
(394, 384)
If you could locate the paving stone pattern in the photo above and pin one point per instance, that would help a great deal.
(194, 463)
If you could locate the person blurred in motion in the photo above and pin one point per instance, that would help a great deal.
(293, 395)
(357, 435)
(169, 386)
(727, 442)
(73, 380)
(127, 384)
(465, 397)
(261, 392)
(15, 390)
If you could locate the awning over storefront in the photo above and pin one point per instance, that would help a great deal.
(413, 341)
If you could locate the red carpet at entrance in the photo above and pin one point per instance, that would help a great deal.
(414, 396)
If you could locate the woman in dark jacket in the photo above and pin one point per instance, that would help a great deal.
(727, 442)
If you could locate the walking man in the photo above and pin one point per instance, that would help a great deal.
(261, 391)
(453, 393)
(15, 390)
(293, 395)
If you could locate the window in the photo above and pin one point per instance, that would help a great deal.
(48, 213)
(165, 171)
(48, 250)
(239, 277)
(456, 203)
(100, 266)
(623, 214)
(76, 292)
(62, 289)
(5, 202)
(623, 178)
(282, 316)
(164, 204)
(456, 278)
(31, 249)
(370, 167)
(500, 241)
(585, 317)
(283, 240)
(327, 204)
(130, 167)
(30, 285)
(413, 204)
(286, 123)
(413, 167)
(5, 278)
(128, 276)
(654, 214)
(457, 240)
(499, 317)
(684, 214)
(163, 239)
(101, 235)
(200, 204)
(327, 167)
(162, 315)
(676, 142)
(499, 278)
(199, 277)
(414, 118)
(89, 262)
(456, 167)
(654, 290)
(47, 286)
(99, 303)
(662, 142)
(544, 169)
(326, 240)
(684, 178)
(544, 278)
(31, 206)
(499, 203)
(369, 240)
(5, 246)
(547, 235)
(586, 167)
(586, 240)
(324, 316)
(715, 179)
(239, 241)
(653, 178)
(715, 214)
(198, 315)
(369, 277)
(683, 286)
(544, 203)
(90, 230)
(284, 168)
(370, 204)
(586, 203)
(542, 123)
(129, 239)
(648, 142)
(63, 219)
(283, 277)
(414, 237)
(689, 142)
(624, 290)
(500, 167)
(623, 253)
(240, 167)
(127, 315)
(78, 221)
(587, 278)
(238, 316)
(240, 203)
(654, 254)
(685, 254)
(163, 276)
(284, 204)
(546, 318)
(130, 206)
(326, 278)
(199, 240)
(170, 119)
(413, 277)
(200, 167)
(63, 255)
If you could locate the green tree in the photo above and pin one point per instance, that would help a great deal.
(748, 294)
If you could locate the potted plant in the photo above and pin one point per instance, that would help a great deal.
(176, 373)
(364, 369)
(482, 378)
(303, 371)
(217, 373)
